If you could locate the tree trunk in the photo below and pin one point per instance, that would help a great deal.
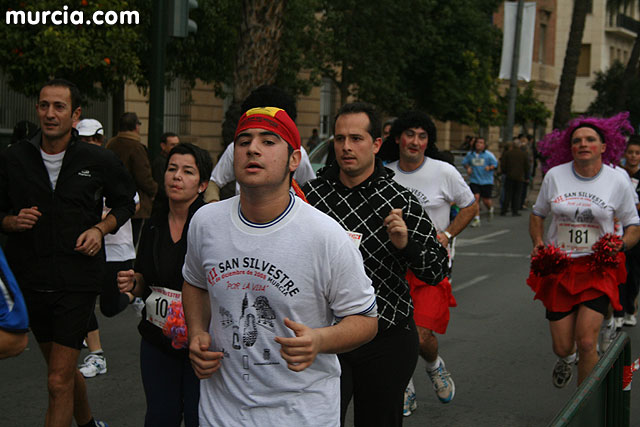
(258, 54)
(117, 107)
(562, 112)
(629, 73)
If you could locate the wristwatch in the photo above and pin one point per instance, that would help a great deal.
(446, 233)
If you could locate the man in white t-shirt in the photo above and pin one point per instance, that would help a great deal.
(273, 290)
(223, 173)
(438, 185)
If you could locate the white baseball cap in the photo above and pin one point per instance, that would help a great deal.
(89, 127)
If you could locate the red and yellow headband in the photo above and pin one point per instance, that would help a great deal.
(273, 119)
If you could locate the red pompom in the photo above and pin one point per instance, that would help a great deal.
(175, 327)
(605, 252)
(549, 260)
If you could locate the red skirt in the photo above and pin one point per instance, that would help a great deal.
(577, 284)
(431, 303)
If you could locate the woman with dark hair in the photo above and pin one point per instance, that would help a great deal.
(576, 268)
(171, 387)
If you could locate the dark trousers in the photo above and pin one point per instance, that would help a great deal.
(512, 195)
(376, 375)
(170, 386)
(112, 301)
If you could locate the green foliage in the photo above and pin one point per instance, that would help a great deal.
(93, 57)
(529, 110)
(607, 84)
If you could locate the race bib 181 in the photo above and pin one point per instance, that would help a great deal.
(577, 237)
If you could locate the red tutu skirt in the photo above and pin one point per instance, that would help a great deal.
(578, 283)
(431, 303)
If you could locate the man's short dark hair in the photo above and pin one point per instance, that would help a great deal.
(166, 136)
(271, 96)
(634, 140)
(76, 97)
(374, 128)
(416, 119)
(202, 157)
(128, 122)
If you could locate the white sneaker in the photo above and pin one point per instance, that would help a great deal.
(442, 382)
(607, 334)
(475, 222)
(94, 364)
(562, 373)
(410, 403)
(619, 322)
(630, 319)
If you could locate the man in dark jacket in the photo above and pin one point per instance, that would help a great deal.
(393, 233)
(51, 190)
(127, 146)
(514, 164)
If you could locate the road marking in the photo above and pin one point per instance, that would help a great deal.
(493, 254)
(480, 239)
(470, 283)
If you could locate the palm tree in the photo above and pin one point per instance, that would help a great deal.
(631, 69)
(562, 112)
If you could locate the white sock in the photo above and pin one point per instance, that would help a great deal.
(432, 366)
(570, 358)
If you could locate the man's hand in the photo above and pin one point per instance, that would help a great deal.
(89, 242)
(204, 361)
(300, 351)
(25, 220)
(443, 239)
(397, 229)
(125, 280)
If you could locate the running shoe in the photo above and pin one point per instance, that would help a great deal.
(607, 334)
(410, 403)
(101, 424)
(562, 373)
(619, 321)
(94, 364)
(442, 382)
(630, 319)
(138, 305)
(475, 222)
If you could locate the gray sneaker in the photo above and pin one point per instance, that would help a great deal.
(562, 373)
(442, 382)
(94, 364)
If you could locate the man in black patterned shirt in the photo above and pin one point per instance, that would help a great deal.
(394, 234)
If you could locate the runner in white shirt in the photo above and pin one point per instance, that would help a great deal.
(584, 198)
(437, 185)
(273, 289)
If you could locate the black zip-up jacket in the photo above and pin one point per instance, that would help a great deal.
(43, 258)
(151, 261)
(362, 209)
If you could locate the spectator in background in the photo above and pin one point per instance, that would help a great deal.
(168, 140)
(22, 130)
(127, 146)
(515, 166)
(314, 139)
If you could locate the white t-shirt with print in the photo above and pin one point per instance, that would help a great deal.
(583, 209)
(303, 266)
(437, 185)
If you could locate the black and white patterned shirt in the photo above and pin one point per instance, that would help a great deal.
(362, 209)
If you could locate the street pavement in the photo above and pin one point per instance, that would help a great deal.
(497, 347)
